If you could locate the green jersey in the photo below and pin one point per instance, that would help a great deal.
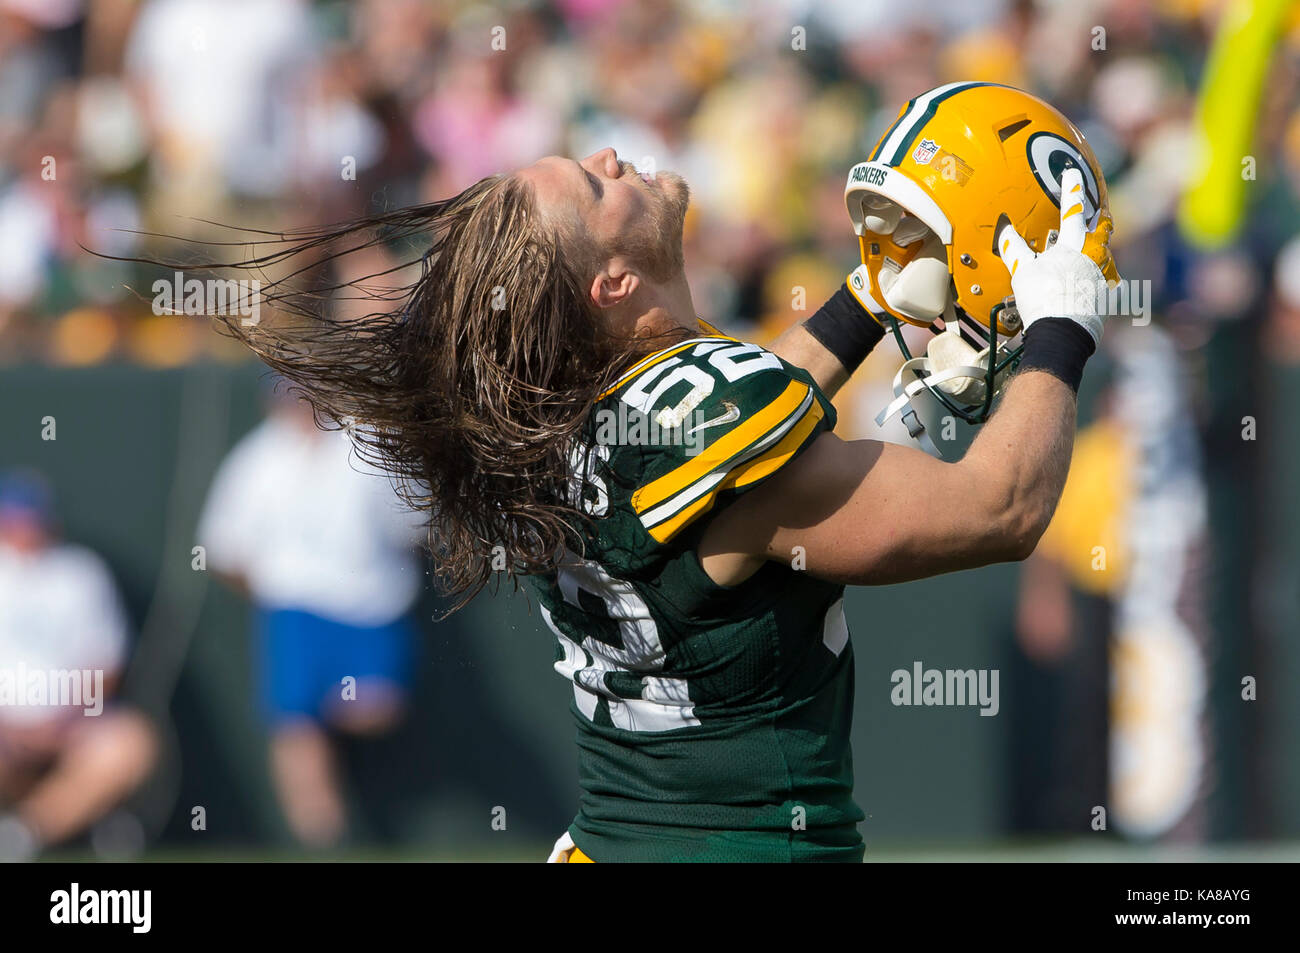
(713, 722)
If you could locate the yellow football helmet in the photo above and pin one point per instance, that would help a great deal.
(958, 162)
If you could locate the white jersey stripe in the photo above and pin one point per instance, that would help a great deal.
(700, 487)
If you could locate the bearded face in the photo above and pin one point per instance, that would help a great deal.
(605, 209)
(654, 244)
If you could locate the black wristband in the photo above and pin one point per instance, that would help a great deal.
(845, 328)
(1060, 347)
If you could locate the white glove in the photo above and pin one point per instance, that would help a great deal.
(1061, 282)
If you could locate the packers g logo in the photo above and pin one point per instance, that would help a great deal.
(1049, 156)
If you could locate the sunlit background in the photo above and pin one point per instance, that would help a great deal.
(1147, 653)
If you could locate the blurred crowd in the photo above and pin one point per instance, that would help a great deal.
(123, 121)
(165, 116)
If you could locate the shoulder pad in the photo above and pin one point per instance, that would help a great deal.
(726, 415)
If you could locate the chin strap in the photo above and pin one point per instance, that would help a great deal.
(905, 391)
(916, 430)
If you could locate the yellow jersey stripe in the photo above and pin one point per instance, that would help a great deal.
(648, 362)
(761, 466)
(720, 451)
(711, 331)
(645, 365)
(669, 528)
(669, 509)
(778, 456)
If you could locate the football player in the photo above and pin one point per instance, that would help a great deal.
(678, 498)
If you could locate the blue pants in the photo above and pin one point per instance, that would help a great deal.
(304, 658)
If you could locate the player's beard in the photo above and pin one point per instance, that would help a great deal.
(656, 248)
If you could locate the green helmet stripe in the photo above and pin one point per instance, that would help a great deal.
(875, 153)
(920, 115)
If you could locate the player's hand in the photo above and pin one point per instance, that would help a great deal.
(1063, 281)
(860, 287)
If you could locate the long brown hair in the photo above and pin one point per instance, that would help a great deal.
(469, 384)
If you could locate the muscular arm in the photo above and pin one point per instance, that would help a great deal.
(866, 512)
(847, 320)
(796, 346)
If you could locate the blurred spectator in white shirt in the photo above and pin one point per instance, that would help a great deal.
(322, 547)
(66, 759)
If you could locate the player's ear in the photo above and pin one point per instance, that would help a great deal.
(614, 284)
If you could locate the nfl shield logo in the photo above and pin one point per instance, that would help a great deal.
(923, 153)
